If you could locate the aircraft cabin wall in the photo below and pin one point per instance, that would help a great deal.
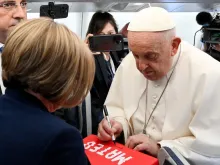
(78, 22)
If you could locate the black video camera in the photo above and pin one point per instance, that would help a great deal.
(210, 27)
(211, 33)
(54, 11)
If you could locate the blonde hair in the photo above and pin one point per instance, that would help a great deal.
(47, 58)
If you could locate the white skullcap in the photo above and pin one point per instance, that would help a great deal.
(151, 19)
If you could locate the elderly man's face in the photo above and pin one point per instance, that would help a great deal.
(153, 53)
(11, 13)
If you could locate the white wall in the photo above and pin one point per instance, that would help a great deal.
(185, 23)
(73, 21)
(186, 26)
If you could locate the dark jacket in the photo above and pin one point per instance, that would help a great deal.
(215, 54)
(30, 135)
(101, 85)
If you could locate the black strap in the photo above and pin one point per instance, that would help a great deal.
(102, 64)
(110, 72)
(1, 49)
(115, 58)
(173, 156)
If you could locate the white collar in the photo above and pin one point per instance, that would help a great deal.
(1, 45)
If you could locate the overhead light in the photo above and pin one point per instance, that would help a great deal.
(138, 4)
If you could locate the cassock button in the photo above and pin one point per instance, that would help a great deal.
(154, 96)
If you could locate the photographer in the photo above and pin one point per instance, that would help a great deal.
(124, 30)
(213, 50)
(102, 23)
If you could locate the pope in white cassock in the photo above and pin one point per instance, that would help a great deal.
(165, 93)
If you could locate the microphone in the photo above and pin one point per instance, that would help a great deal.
(204, 18)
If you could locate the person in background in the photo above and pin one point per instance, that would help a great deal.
(124, 30)
(166, 92)
(102, 23)
(45, 67)
(213, 50)
(11, 13)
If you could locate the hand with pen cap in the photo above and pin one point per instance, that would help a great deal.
(105, 132)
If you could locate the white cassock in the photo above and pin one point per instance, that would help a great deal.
(188, 114)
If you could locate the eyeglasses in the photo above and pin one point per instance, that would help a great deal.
(12, 5)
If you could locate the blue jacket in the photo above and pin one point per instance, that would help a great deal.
(30, 135)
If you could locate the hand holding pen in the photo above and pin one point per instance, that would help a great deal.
(108, 120)
(109, 129)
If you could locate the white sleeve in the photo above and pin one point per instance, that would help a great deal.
(203, 147)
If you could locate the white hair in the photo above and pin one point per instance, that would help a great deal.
(169, 35)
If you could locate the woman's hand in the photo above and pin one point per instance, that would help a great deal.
(87, 39)
(87, 43)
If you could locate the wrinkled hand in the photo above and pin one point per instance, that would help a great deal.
(142, 142)
(105, 132)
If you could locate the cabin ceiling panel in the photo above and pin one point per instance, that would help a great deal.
(130, 6)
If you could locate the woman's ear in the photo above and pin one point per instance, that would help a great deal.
(175, 45)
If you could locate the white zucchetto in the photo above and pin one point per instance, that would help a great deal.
(152, 19)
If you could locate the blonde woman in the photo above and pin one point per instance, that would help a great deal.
(45, 67)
